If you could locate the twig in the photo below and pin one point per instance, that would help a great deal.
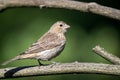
(67, 4)
(64, 68)
(110, 57)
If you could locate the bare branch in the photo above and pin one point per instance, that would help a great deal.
(64, 68)
(67, 4)
(112, 58)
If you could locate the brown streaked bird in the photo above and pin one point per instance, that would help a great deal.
(48, 46)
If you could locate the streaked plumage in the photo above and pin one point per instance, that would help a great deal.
(48, 46)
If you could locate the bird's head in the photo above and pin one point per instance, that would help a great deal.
(59, 27)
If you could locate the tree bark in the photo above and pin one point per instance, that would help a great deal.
(66, 4)
(60, 68)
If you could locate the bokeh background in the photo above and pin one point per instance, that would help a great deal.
(20, 27)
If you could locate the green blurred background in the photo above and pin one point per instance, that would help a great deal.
(20, 27)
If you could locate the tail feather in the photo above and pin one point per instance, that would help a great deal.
(21, 56)
(11, 60)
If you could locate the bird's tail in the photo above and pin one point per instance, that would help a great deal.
(11, 60)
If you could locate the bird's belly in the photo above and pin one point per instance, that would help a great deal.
(49, 54)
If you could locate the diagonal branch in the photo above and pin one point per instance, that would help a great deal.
(67, 4)
(110, 57)
(63, 68)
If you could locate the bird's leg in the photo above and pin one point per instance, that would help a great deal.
(39, 62)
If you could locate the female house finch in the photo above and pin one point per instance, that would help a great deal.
(48, 46)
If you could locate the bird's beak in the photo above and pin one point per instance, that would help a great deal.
(67, 26)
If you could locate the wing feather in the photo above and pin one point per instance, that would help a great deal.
(48, 41)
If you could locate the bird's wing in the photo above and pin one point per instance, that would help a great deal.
(48, 41)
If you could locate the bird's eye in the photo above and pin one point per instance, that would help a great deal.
(61, 25)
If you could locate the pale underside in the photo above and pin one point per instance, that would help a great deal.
(45, 55)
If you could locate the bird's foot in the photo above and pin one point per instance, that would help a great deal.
(54, 63)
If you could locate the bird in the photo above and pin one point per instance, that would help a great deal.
(47, 47)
